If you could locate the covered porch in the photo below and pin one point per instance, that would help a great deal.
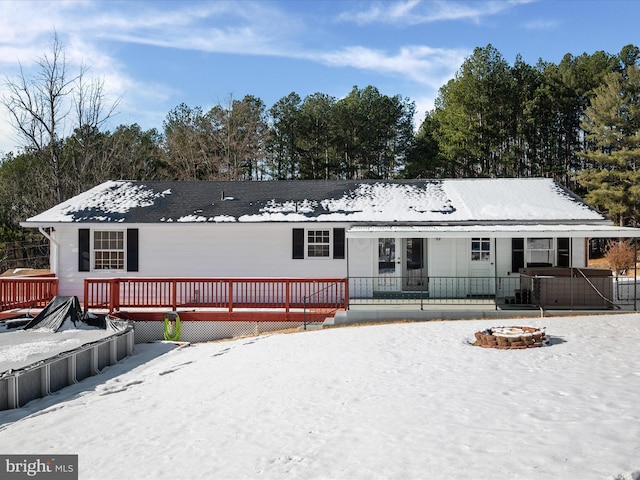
(508, 264)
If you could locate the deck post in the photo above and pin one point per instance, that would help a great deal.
(174, 295)
(346, 293)
(114, 297)
(287, 295)
(86, 296)
(304, 312)
(635, 274)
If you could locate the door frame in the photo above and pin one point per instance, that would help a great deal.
(414, 279)
(482, 278)
(392, 273)
(387, 262)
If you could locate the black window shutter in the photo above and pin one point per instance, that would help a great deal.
(132, 249)
(517, 254)
(298, 243)
(338, 243)
(84, 250)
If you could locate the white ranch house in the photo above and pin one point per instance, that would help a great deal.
(457, 238)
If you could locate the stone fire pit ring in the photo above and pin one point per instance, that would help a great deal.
(511, 338)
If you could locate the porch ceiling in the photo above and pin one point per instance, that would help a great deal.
(493, 231)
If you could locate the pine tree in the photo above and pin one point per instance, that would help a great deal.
(611, 123)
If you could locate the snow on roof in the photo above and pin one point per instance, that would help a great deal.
(511, 198)
(410, 201)
(529, 230)
(100, 202)
(379, 201)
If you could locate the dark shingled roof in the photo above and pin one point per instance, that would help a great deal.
(383, 201)
(242, 198)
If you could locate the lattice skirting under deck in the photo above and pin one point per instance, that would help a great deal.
(203, 331)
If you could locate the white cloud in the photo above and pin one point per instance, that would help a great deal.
(542, 24)
(382, 12)
(8, 141)
(425, 65)
(226, 27)
(415, 12)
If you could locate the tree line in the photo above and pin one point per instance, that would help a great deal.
(576, 121)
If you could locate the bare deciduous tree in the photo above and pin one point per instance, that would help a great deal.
(88, 164)
(37, 107)
(189, 144)
(620, 256)
(40, 106)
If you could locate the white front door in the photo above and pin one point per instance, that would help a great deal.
(481, 267)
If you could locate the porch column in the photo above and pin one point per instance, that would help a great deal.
(635, 274)
(570, 271)
(495, 272)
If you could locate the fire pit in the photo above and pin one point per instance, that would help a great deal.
(511, 337)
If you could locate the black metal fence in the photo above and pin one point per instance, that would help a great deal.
(323, 303)
(570, 292)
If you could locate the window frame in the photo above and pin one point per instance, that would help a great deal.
(483, 254)
(325, 247)
(551, 252)
(559, 252)
(119, 262)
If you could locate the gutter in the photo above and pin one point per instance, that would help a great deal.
(47, 235)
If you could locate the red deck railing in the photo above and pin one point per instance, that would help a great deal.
(229, 294)
(27, 292)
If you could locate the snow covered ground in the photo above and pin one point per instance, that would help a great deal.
(20, 348)
(398, 401)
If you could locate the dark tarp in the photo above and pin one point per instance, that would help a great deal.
(56, 312)
(105, 322)
(16, 322)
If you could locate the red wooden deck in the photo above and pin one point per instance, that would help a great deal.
(25, 293)
(213, 299)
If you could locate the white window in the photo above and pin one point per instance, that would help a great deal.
(480, 249)
(108, 250)
(540, 252)
(318, 243)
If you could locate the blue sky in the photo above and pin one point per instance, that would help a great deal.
(153, 56)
